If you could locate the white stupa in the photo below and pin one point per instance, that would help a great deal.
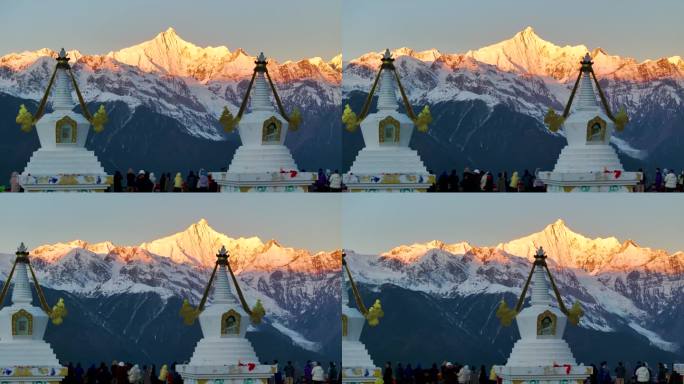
(24, 356)
(679, 368)
(62, 163)
(223, 353)
(262, 163)
(357, 365)
(387, 162)
(541, 355)
(588, 163)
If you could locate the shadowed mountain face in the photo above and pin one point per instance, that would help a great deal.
(424, 329)
(469, 134)
(440, 299)
(144, 329)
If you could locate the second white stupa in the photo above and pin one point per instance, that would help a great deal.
(386, 162)
(541, 355)
(262, 163)
(25, 357)
(357, 365)
(62, 163)
(588, 163)
(224, 353)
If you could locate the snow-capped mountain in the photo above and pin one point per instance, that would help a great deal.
(526, 75)
(290, 282)
(174, 77)
(172, 86)
(625, 289)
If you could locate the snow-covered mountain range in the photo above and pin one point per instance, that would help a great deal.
(169, 93)
(624, 288)
(290, 282)
(526, 75)
(175, 78)
(165, 95)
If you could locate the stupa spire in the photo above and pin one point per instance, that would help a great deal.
(222, 290)
(21, 292)
(587, 97)
(260, 97)
(540, 288)
(61, 98)
(387, 96)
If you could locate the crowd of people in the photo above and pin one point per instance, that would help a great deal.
(665, 180)
(485, 181)
(121, 373)
(143, 181)
(126, 373)
(454, 373)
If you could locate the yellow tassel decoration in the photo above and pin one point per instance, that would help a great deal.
(188, 313)
(227, 120)
(505, 314)
(374, 314)
(575, 313)
(258, 313)
(25, 119)
(295, 119)
(349, 118)
(423, 119)
(621, 120)
(378, 377)
(553, 120)
(59, 312)
(163, 373)
(100, 118)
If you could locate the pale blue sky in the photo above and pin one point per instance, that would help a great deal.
(635, 28)
(291, 29)
(377, 223)
(367, 223)
(297, 220)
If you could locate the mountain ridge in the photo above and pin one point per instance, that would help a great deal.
(614, 253)
(196, 246)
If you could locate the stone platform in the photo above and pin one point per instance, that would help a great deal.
(590, 181)
(226, 374)
(285, 181)
(564, 374)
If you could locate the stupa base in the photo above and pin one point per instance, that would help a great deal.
(66, 182)
(288, 181)
(565, 374)
(28, 374)
(590, 181)
(389, 182)
(227, 374)
(353, 375)
(679, 368)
